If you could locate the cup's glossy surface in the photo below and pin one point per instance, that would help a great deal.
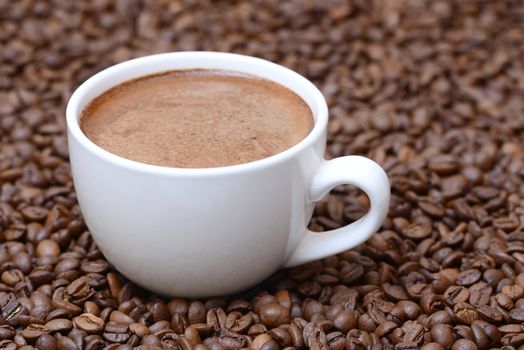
(202, 232)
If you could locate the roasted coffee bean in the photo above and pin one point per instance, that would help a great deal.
(179, 323)
(59, 313)
(468, 277)
(345, 321)
(260, 340)
(517, 315)
(116, 333)
(196, 312)
(351, 272)
(59, 325)
(65, 343)
(481, 339)
(443, 335)
(91, 308)
(7, 332)
(465, 313)
(414, 333)
(336, 341)
(139, 329)
(159, 311)
(78, 337)
(161, 325)
(216, 318)
(464, 344)
(514, 292)
(89, 323)
(456, 294)
(79, 290)
(431, 303)
(33, 331)
(385, 328)
(60, 300)
(417, 231)
(274, 315)
(490, 314)
(409, 308)
(46, 342)
(432, 346)
(231, 340)
(47, 247)
(120, 317)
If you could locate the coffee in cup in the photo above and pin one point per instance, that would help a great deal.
(197, 119)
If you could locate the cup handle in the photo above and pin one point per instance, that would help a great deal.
(352, 170)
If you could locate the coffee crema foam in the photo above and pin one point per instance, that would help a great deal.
(197, 119)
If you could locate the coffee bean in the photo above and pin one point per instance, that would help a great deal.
(510, 328)
(385, 328)
(160, 311)
(59, 325)
(464, 344)
(274, 315)
(517, 315)
(468, 277)
(344, 321)
(7, 332)
(89, 323)
(121, 318)
(65, 343)
(480, 293)
(465, 313)
(456, 294)
(144, 347)
(46, 342)
(259, 341)
(432, 346)
(33, 332)
(97, 266)
(47, 247)
(196, 312)
(138, 329)
(414, 333)
(481, 339)
(443, 335)
(490, 314)
(430, 303)
(336, 341)
(216, 318)
(406, 345)
(79, 290)
(92, 308)
(514, 292)
(61, 301)
(417, 231)
(409, 308)
(439, 317)
(59, 313)
(179, 323)
(162, 325)
(115, 332)
(394, 293)
(443, 164)
(351, 272)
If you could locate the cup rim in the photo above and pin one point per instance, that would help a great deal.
(318, 108)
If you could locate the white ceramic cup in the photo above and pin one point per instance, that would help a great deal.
(214, 231)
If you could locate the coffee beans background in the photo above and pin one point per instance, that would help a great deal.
(432, 90)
